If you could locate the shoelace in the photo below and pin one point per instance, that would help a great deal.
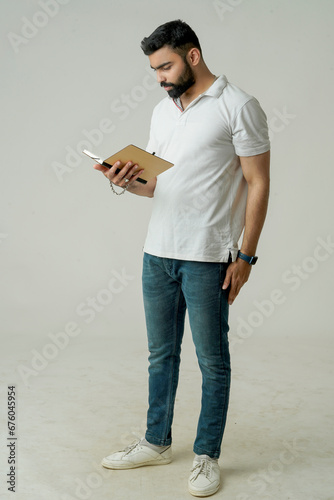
(202, 467)
(128, 449)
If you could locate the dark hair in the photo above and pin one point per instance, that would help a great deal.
(176, 34)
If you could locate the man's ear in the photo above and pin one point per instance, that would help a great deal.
(193, 56)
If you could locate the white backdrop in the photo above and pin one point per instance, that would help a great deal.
(70, 69)
(73, 76)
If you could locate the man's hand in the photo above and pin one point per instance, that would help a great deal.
(237, 275)
(125, 177)
(256, 172)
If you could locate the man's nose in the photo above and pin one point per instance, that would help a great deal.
(160, 77)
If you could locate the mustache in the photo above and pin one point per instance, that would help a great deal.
(164, 84)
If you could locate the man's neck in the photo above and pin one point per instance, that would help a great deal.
(201, 85)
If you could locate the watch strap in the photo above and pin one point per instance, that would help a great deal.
(251, 260)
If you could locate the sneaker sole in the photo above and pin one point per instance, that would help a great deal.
(203, 494)
(120, 466)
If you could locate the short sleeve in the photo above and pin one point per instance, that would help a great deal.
(250, 130)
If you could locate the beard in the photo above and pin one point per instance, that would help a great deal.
(185, 81)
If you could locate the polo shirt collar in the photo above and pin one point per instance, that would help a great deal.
(215, 90)
(217, 87)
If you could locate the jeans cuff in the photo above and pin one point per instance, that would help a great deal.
(157, 442)
(211, 454)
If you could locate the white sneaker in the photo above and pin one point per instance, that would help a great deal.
(204, 479)
(137, 455)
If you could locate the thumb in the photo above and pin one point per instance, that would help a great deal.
(100, 167)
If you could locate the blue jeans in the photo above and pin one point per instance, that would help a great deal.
(170, 287)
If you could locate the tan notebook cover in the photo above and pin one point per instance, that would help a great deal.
(152, 164)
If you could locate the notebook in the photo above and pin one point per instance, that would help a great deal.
(152, 164)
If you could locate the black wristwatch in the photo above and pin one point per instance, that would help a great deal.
(250, 260)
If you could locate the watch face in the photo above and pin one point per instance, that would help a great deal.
(253, 260)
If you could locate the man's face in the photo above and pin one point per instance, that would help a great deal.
(173, 73)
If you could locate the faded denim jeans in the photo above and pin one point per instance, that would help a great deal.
(170, 287)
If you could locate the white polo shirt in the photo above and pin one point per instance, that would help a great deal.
(199, 204)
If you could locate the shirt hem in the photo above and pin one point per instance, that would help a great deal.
(223, 257)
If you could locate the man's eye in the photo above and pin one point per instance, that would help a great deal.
(168, 68)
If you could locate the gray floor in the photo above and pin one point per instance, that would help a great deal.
(91, 400)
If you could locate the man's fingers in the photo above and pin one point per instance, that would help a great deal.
(120, 174)
(128, 173)
(124, 172)
(227, 279)
(232, 283)
(135, 177)
(132, 172)
(236, 276)
(233, 289)
(113, 175)
(232, 294)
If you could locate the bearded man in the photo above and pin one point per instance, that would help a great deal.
(216, 135)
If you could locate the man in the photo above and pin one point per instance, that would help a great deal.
(217, 137)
